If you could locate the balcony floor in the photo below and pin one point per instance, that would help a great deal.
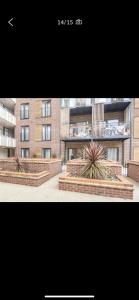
(105, 138)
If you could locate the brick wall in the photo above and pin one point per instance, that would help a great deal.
(135, 129)
(117, 115)
(81, 118)
(133, 170)
(107, 116)
(35, 121)
(122, 189)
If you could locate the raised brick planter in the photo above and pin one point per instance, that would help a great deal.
(133, 169)
(120, 189)
(33, 179)
(76, 167)
(53, 166)
(38, 171)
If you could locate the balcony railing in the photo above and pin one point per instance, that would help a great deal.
(76, 102)
(80, 131)
(103, 129)
(111, 100)
(6, 116)
(83, 102)
(6, 141)
(100, 129)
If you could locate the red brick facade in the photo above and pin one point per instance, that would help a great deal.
(126, 149)
(36, 146)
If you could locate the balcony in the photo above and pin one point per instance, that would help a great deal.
(76, 102)
(114, 104)
(99, 131)
(106, 131)
(80, 131)
(8, 102)
(6, 141)
(111, 100)
(7, 118)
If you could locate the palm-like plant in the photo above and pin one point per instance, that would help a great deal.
(19, 165)
(94, 168)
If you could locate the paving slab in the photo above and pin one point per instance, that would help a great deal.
(49, 192)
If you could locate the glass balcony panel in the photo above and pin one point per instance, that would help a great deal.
(7, 116)
(80, 131)
(111, 100)
(6, 141)
(76, 102)
(104, 129)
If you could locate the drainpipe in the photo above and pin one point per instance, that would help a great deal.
(93, 103)
(131, 115)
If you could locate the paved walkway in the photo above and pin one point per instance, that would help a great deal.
(49, 192)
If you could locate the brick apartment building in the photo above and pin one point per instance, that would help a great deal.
(7, 127)
(38, 129)
(61, 126)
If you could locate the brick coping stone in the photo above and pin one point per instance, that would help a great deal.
(133, 162)
(24, 175)
(34, 160)
(123, 183)
(83, 162)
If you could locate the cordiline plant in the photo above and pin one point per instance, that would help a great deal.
(94, 168)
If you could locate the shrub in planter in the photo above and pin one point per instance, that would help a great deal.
(19, 165)
(94, 168)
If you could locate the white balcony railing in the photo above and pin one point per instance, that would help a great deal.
(5, 115)
(76, 102)
(6, 141)
(111, 100)
(100, 129)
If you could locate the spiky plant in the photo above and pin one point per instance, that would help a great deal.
(19, 165)
(94, 168)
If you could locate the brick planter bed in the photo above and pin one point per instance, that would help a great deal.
(120, 189)
(53, 166)
(133, 169)
(37, 171)
(76, 167)
(33, 179)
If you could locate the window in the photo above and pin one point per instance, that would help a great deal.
(46, 152)
(46, 132)
(24, 152)
(46, 108)
(24, 111)
(111, 154)
(6, 131)
(25, 133)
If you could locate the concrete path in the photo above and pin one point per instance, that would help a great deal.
(49, 192)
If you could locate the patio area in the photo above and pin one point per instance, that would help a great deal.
(49, 192)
